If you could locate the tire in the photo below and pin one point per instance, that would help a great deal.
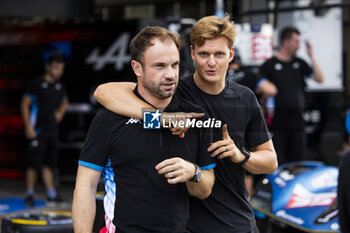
(38, 222)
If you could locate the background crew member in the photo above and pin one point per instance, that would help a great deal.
(262, 87)
(244, 146)
(43, 106)
(148, 173)
(287, 72)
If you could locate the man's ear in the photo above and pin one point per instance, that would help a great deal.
(232, 54)
(137, 67)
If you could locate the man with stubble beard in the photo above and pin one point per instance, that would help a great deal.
(149, 174)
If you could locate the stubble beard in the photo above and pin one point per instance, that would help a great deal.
(156, 90)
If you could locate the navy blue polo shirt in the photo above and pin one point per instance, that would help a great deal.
(138, 199)
(46, 98)
(289, 78)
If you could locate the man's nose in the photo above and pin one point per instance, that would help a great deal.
(211, 61)
(170, 72)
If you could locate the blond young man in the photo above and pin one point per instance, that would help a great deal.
(243, 145)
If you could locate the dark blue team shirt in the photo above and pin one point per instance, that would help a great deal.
(289, 78)
(138, 199)
(46, 98)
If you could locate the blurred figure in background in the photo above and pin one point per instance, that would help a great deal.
(43, 106)
(288, 72)
(262, 87)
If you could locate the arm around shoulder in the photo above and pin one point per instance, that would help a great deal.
(118, 97)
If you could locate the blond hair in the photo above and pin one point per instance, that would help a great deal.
(212, 27)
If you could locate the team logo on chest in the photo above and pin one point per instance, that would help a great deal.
(58, 86)
(133, 121)
(278, 66)
(296, 65)
(44, 85)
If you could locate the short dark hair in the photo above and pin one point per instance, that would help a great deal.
(143, 40)
(287, 33)
(56, 57)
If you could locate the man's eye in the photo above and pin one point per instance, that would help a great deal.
(203, 54)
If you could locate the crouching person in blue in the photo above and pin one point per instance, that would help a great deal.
(149, 174)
